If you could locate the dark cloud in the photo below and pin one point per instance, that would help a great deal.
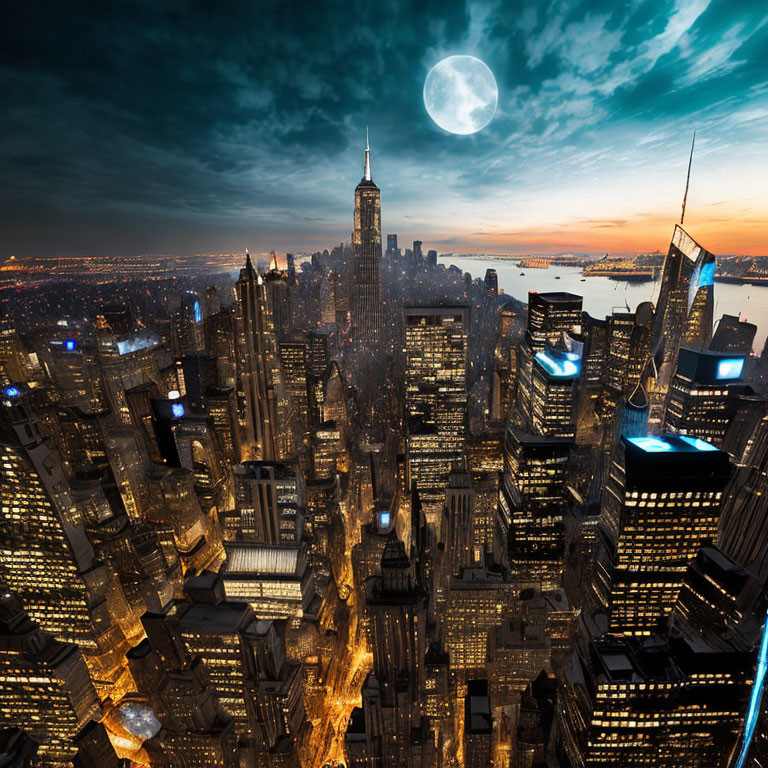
(180, 126)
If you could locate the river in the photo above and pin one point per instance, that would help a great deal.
(602, 295)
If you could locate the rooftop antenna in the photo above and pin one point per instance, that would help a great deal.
(687, 179)
(367, 171)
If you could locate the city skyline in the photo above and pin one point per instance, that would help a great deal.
(194, 133)
(358, 505)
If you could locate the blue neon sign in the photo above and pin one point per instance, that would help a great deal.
(70, 345)
(730, 368)
(11, 391)
(177, 409)
(383, 519)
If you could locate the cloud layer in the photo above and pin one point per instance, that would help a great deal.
(177, 127)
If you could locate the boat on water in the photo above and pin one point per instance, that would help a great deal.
(522, 274)
(557, 277)
(583, 279)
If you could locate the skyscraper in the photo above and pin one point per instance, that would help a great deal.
(392, 249)
(45, 685)
(257, 359)
(269, 499)
(366, 240)
(187, 325)
(647, 702)
(685, 310)
(704, 394)
(554, 375)
(532, 505)
(550, 315)
(662, 503)
(478, 725)
(491, 283)
(45, 554)
(435, 397)
(397, 617)
(733, 335)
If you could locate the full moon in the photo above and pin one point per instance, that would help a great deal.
(460, 94)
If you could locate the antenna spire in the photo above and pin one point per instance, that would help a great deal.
(367, 171)
(687, 179)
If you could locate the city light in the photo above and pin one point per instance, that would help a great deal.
(370, 502)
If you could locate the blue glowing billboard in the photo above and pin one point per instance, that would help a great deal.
(70, 345)
(177, 409)
(729, 368)
(566, 367)
(11, 391)
(383, 519)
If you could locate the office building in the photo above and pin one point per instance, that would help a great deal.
(531, 500)
(662, 504)
(733, 334)
(705, 393)
(366, 240)
(435, 397)
(258, 359)
(478, 725)
(46, 688)
(684, 311)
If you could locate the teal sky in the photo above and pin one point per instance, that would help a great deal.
(133, 128)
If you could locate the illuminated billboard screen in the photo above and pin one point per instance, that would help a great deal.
(730, 368)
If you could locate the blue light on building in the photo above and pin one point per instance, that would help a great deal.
(698, 443)
(70, 345)
(729, 368)
(11, 391)
(755, 699)
(177, 409)
(707, 275)
(651, 444)
(567, 367)
(672, 443)
(383, 519)
(198, 312)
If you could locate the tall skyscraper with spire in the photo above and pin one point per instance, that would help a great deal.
(685, 306)
(366, 241)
